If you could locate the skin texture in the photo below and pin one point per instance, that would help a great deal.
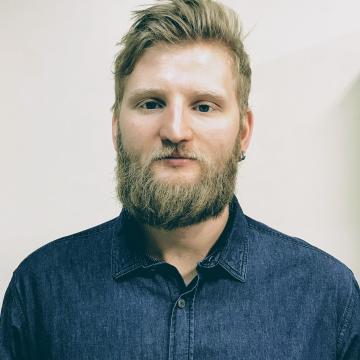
(180, 100)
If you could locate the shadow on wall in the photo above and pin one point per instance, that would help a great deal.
(350, 115)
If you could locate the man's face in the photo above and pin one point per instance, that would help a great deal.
(178, 135)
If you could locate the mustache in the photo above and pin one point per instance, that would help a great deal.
(175, 152)
(168, 150)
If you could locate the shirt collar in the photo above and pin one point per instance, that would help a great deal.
(230, 251)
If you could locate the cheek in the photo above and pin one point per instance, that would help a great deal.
(220, 143)
(137, 137)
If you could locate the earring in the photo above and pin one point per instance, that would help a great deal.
(242, 156)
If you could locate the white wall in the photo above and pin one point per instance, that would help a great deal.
(302, 171)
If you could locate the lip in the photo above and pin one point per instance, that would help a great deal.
(177, 161)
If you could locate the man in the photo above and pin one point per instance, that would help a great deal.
(182, 273)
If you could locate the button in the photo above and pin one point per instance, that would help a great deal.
(181, 303)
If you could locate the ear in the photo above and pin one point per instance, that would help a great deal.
(246, 131)
(114, 131)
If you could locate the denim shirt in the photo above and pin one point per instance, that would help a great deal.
(259, 294)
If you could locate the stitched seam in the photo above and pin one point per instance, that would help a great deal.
(112, 259)
(192, 320)
(245, 259)
(126, 270)
(243, 269)
(228, 266)
(345, 321)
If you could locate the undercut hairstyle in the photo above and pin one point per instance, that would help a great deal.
(177, 21)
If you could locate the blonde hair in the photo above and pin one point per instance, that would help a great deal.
(175, 21)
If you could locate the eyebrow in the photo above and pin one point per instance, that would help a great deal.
(212, 96)
(141, 94)
(204, 94)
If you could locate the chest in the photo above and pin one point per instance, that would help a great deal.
(158, 318)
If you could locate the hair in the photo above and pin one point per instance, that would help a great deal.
(176, 21)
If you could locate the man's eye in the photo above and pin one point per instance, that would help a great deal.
(151, 105)
(204, 108)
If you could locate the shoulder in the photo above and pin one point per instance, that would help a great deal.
(69, 250)
(304, 269)
(284, 245)
(300, 261)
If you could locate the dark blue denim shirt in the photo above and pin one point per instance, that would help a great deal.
(259, 294)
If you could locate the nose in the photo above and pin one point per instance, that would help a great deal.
(176, 124)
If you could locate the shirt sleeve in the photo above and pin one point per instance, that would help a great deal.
(12, 327)
(348, 343)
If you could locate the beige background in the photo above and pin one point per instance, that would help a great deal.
(303, 167)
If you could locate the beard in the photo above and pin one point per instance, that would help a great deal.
(167, 205)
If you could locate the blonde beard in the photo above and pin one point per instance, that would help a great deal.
(167, 205)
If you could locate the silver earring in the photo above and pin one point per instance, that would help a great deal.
(242, 156)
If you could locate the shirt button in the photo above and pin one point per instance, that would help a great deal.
(181, 303)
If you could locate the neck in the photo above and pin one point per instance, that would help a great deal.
(186, 245)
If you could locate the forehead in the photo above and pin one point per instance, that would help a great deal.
(185, 67)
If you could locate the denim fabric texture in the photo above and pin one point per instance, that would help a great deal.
(259, 294)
